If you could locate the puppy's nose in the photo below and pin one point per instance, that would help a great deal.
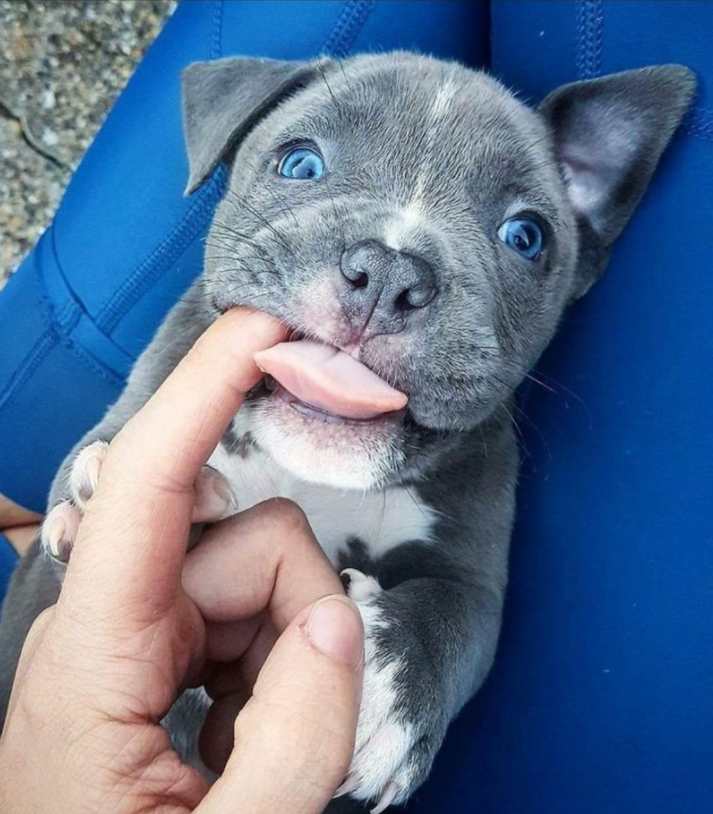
(378, 282)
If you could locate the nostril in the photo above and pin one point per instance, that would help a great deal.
(403, 302)
(354, 275)
(359, 280)
(419, 297)
(353, 263)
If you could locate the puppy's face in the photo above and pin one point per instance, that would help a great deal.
(415, 215)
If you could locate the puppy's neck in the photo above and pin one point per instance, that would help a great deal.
(378, 519)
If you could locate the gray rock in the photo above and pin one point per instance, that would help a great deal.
(62, 65)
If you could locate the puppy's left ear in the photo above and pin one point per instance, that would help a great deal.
(224, 98)
(609, 134)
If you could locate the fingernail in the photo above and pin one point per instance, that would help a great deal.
(222, 488)
(335, 628)
(215, 498)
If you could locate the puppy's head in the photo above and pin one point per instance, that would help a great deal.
(416, 216)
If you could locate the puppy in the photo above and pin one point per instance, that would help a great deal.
(421, 231)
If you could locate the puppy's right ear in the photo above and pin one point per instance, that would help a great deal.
(223, 99)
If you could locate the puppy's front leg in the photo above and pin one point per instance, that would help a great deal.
(429, 644)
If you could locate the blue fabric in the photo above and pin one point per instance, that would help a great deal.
(600, 699)
(8, 562)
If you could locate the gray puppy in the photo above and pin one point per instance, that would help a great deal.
(419, 226)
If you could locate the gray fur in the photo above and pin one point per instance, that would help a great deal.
(458, 153)
(222, 98)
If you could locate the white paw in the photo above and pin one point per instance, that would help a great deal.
(382, 768)
(84, 477)
(213, 500)
(60, 527)
(59, 530)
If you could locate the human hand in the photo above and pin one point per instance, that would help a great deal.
(138, 620)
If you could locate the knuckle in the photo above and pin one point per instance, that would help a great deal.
(289, 516)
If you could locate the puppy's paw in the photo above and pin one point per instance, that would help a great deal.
(392, 755)
(213, 500)
(84, 476)
(59, 529)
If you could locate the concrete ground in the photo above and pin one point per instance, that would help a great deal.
(62, 64)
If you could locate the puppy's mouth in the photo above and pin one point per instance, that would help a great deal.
(324, 382)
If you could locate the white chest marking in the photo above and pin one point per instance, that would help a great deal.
(381, 519)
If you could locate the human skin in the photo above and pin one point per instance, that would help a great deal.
(138, 619)
(17, 524)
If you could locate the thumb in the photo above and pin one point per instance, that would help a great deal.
(294, 739)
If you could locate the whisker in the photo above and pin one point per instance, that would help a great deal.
(262, 219)
(320, 68)
(542, 384)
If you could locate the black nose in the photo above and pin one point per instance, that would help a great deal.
(383, 285)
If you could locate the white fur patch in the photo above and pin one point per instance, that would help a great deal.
(84, 475)
(445, 96)
(381, 519)
(407, 219)
(380, 768)
(399, 228)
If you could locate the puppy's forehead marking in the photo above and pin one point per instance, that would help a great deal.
(407, 218)
(402, 224)
(444, 97)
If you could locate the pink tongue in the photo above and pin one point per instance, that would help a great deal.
(329, 379)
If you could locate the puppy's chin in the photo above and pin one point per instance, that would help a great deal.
(325, 450)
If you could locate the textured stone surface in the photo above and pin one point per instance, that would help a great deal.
(62, 64)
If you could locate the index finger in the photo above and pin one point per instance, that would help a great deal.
(131, 543)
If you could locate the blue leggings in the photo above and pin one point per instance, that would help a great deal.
(601, 699)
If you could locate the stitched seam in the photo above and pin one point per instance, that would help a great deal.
(348, 27)
(88, 359)
(32, 362)
(170, 248)
(40, 348)
(67, 317)
(590, 34)
(216, 45)
(62, 323)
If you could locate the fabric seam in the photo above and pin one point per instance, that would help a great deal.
(171, 247)
(31, 363)
(590, 31)
(61, 324)
(216, 49)
(348, 27)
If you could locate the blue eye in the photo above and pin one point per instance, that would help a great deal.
(524, 235)
(302, 164)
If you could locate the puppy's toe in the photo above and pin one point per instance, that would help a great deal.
(84, 476)
(359, 585)
(214, 499)
(389, 794)
(59, 530)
